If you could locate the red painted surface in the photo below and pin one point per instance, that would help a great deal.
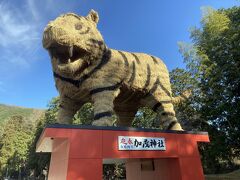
(77, 154)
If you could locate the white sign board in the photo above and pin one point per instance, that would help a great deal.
(129, 143)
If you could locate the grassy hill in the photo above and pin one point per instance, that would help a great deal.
(7, 111)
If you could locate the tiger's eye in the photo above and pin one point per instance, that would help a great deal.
(78, 26)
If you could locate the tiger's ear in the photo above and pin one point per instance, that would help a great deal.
(93, 16)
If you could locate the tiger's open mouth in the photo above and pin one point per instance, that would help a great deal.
(67, 54)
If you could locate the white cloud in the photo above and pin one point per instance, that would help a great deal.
(21, 26)
(16, 27)
(19, 34)
(31, 6)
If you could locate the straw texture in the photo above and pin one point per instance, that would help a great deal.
(86, 70)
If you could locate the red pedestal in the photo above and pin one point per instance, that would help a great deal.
(78, 153)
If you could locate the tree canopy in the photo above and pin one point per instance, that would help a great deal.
(213, 61)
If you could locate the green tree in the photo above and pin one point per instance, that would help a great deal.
(14, 146)
(188, 109)
(38, 163)
(145, 118)
(213, 60)
(84, 115)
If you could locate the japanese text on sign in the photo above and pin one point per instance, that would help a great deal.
(141, 143)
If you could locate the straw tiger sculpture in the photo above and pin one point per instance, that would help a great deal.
(86, 70)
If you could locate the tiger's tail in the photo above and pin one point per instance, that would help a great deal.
(182, 98)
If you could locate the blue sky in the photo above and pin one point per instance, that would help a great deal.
(153, 26)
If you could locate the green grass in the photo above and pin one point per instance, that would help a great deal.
(235, 175)
(7, 111)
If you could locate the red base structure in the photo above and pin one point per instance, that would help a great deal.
(78, 153)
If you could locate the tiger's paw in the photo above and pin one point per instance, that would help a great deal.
(102, 122)
(175, 126)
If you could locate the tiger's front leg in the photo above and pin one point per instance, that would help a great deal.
(67, 110)
(103, 107)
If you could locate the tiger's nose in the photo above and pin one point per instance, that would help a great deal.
(53, 32)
